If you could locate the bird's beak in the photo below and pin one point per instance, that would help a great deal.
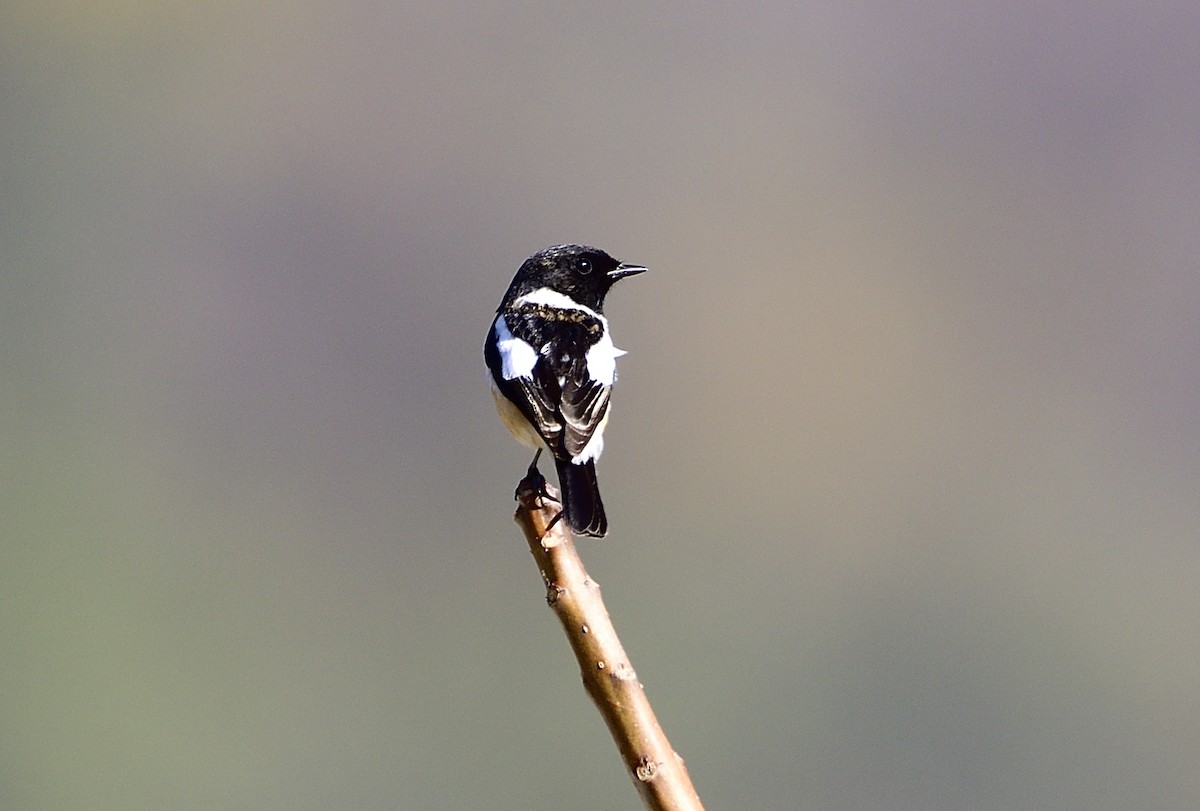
(625, 270)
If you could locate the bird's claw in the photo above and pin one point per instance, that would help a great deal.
(534, 483)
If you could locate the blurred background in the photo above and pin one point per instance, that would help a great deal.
(904, 466)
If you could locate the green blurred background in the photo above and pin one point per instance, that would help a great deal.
(904, 471)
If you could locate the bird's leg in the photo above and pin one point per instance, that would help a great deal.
(533, 472)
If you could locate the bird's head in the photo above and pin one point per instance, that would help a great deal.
(583, 273)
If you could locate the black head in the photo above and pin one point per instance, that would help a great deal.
(582, 273)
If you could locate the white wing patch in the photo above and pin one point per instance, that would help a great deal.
(517, 358)
(602, 359)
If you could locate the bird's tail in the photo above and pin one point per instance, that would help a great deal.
(581, 497)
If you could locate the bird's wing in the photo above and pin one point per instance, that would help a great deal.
(537, 397)
(583, 407)
(525, 380)
(550, 382)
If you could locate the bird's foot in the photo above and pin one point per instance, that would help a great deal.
(534, 482)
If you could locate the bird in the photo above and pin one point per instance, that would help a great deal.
(552, 365)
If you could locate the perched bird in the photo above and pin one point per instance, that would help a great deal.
(552, 365)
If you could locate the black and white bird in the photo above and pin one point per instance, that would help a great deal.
(552, 364)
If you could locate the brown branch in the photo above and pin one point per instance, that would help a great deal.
(657, 771)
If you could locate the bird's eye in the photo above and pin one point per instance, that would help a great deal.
(584, 267)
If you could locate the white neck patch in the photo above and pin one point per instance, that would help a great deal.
(552, 298)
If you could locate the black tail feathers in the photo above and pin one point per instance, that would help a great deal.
(581, 498)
